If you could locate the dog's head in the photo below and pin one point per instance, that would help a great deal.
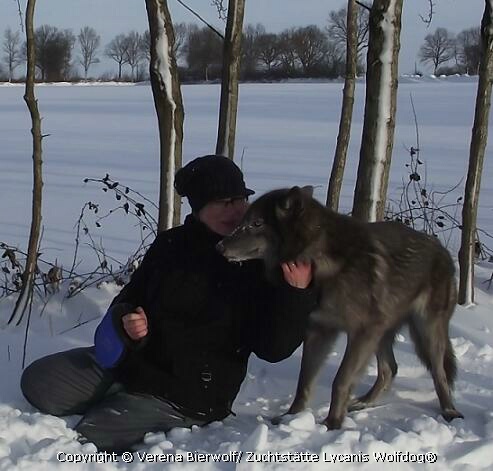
(273, 229)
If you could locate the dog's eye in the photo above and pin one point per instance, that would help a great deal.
(258, 223)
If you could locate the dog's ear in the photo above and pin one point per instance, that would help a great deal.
(307, 191)
(291, 204)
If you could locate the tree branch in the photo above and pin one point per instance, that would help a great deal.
(431, 12)
(363, 5)
(20, 14)
(222, 11)
(201, 19)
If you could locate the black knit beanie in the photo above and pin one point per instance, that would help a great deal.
(209, 178)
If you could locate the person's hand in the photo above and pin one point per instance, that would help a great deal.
(297, 274)
(135, 324)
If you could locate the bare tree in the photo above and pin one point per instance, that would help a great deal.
(145, 45)
(339, 163)
(335, 59)
(310, 46)
(133, 51)
(468, 50)
(117, 50)
(337, 27)
(169, 108)
(11, 48)
(226, 132)
(89, 42)
(26, 293)
(287, 56)
(204, 51)
(250, 50)
(268, 51)
(53, 52)
(438, 48)
(476, 159)
(181, 34)
(380, 108)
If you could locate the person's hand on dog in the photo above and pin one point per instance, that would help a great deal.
(135, 324)
(298, 274)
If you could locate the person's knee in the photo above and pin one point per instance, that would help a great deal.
(65, 383)
(34, 388)
(31, 381)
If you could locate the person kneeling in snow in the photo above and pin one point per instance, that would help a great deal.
(173, 348)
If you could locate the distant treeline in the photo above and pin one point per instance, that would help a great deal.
(298, 52)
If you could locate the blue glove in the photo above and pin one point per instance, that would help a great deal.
(110, 339)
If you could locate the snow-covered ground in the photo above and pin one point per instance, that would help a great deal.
(286, 135)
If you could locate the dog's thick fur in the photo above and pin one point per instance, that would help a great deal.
(372, 278)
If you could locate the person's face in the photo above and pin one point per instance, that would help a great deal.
(223, 216)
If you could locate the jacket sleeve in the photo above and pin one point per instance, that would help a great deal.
(280, 317)
(135, 290)
(132, 295)
(111, 342)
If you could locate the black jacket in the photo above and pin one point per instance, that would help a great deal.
(205, 316)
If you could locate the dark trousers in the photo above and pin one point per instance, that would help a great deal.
(71, 382)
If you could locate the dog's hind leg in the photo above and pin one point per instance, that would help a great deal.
(429, 330)
(316, 346)
(359, 349)
(387, 369)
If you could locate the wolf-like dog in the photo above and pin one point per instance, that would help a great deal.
(371, 278)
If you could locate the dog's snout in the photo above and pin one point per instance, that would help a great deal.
(220, 247)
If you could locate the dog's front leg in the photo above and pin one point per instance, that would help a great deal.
(316, 346)
(359, 349)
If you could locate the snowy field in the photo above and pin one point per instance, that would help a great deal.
(286, 136)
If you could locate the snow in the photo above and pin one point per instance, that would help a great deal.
(288, 133)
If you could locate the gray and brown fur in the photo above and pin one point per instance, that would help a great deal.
(372, 278)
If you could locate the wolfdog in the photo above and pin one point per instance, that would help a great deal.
(371, 279)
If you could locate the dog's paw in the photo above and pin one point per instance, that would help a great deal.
(451, 414)
(333, 423)
(279, 419)
(357, 404)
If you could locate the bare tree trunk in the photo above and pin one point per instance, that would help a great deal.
(169, 108)
(339, 163)
(229, 80)
(380, 108)
(26, 292)
(476, 159)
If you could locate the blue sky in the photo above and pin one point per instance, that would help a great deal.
(111, 17)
